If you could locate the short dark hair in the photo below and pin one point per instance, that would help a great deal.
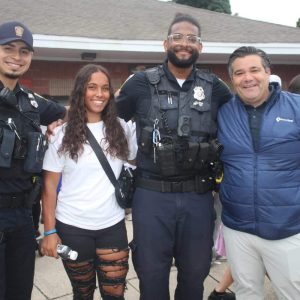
(179, 17)
(294, 85)
(245, 51)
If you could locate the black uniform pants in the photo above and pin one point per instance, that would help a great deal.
(17, 253)
(167, 226)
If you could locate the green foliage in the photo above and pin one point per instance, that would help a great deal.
(222, 6)
(298, 23)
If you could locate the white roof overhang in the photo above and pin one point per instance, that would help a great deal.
(68, 48)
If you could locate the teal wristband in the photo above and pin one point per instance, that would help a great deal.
(46, 233)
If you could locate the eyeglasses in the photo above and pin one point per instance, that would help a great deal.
(190, 38)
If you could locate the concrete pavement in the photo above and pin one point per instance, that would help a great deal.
(51, 281)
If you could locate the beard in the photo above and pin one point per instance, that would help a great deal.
(182, 63)
(12, 75)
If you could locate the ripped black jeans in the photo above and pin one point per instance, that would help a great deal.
(102, 254)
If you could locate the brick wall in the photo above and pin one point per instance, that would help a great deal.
(45, 76)
(41, 73)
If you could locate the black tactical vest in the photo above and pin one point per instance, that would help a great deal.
(19, 135)
(184, 121)
(195, 104)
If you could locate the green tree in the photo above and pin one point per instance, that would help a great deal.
(222, 6)
(298, 23)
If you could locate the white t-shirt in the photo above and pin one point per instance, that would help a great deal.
(87, 197)
(180, 81)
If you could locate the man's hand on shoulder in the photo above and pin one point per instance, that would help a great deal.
(51, 127)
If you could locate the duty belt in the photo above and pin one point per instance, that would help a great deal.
(198, 184)
(13, 200)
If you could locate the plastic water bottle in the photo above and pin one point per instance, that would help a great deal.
(65, 252)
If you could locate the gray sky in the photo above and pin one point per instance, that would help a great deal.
(285, 12)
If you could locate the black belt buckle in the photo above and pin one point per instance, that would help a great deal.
(177, 187)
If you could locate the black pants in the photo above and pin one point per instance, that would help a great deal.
(167, 226)
(86, 242)
(17, 253)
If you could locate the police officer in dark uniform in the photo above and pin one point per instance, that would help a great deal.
(22, 147)
(175, 108)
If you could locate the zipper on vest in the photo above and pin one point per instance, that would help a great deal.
(255, 191)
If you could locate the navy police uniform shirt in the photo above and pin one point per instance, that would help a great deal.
(49, 112)
(135, 94)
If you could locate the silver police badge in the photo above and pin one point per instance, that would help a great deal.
(198, 95)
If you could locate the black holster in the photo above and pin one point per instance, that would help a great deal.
(7, 142)
(35, 193)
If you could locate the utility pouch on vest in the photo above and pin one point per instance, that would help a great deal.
(216, 149)
(190, 156)
(35, 152)
(204, 184)
(145, 141)
(7, 139)
(204, 151)
(166, 159)
(20, 149)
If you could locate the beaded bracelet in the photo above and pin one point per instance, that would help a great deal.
(46, 233)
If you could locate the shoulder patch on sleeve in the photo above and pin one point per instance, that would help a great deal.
(40, 97)
(126, 80)
(224, 82)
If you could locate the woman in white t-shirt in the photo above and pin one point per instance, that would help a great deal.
(85, 214)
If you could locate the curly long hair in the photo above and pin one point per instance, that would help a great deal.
(75, 131)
